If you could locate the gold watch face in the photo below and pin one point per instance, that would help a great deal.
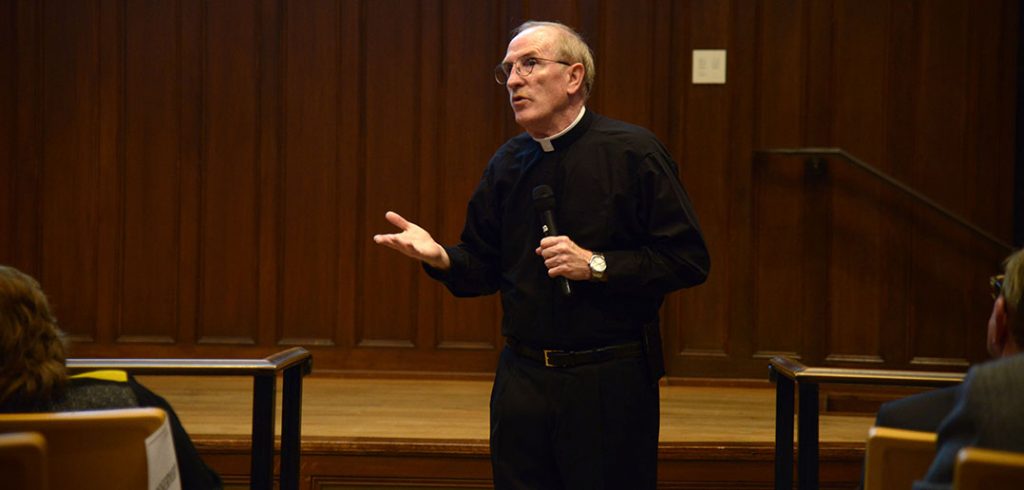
(597, 263)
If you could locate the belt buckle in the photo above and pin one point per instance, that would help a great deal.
(547, 359)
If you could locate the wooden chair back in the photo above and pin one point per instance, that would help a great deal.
(23, 460)
(987, 469)
(895, 458)
(96, 449)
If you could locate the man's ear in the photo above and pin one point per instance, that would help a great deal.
(999, 330)
(576, 76)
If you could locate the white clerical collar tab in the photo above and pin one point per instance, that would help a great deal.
(546, 143)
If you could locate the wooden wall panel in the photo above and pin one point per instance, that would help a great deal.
(861, 46)
(192, 178)
(8, 96)
(992, 127)
(692, 320)
(229, 188)
(778, 198)
(459, 152)
(351, 170)
(309, 235)
(940, 124)
(27, 141)
(626, 71)
(392, 78)
(110, 166)
(68, 170)
(152, 171)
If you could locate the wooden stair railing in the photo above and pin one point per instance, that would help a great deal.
(816, 160)
(789, 376)
(294, 363)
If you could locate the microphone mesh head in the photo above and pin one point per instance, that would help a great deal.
(543, 198)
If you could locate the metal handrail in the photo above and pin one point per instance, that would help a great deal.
(294, 363)
(228, 367)
(800, 373)
(892, 181)
(789, 376)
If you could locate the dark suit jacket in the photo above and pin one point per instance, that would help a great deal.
(923, 411)
(989, 413)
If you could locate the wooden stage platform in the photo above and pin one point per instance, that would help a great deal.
(385, 434)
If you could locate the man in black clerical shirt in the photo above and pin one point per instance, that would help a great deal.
(575, 396)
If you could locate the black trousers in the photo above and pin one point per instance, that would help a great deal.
(586, 427)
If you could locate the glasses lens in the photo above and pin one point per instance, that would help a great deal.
(996, 283)
(500, 74)
(526, 66)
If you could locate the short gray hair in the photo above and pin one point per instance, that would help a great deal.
(1013, 293)
(571, 46)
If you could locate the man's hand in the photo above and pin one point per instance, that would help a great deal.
(564, 258)
(414, 242)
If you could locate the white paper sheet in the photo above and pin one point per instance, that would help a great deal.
(163, 465)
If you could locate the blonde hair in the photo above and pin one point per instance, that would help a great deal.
(1013, 293)
(32, 351)
(571, 46)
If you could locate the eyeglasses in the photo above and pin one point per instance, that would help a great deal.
(996, 283)
(523, 66)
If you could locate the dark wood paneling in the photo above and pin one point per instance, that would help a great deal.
(110, 165)
(941, 112)
(229, 191)
(458, 152)
(8, 116)
(778, 198)
(191, 178)
(27, 142)
(309, 170)
(626, 23)
(392, 76)
(68, 173)
(693, 319)
(151, 290)
(860, 44)
(352, 215)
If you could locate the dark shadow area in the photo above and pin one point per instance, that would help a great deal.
(1018, 174)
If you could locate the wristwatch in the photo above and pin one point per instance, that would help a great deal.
(598, 266)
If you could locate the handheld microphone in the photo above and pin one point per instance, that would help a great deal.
(544, 204)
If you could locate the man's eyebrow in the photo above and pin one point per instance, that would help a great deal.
(529, 54)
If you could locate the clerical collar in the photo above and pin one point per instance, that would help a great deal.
(545, 143)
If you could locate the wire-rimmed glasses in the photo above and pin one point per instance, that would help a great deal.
(523, 67)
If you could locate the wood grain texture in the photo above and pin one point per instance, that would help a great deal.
(409, 432)
(203, 179)
(372, 408)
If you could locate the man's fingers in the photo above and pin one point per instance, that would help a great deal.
(550, 241)
(388, 240)
(397, 220)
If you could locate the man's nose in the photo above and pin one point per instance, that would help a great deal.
(514, 80)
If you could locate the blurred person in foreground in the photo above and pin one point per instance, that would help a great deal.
(987, 407)
(33, 377)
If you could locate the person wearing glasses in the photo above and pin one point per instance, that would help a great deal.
(987, 408)
(928, 410)
(925, 411)
(575, 396)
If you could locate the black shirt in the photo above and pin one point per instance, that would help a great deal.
(617, 192)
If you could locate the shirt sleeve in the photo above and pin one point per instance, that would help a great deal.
(475, 262)
(674, 254)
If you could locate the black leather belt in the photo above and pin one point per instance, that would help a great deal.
(569, 358)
